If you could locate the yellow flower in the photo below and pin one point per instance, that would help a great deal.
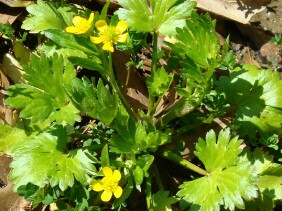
(81, 25)
(110, 35)
(109, 184)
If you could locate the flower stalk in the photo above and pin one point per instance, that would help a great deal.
(154, 69)
(112, 81)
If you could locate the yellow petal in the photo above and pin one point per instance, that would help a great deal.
(121, 26)
(106, 196)
(96, 40)
(122, 37)
(108, 46)
(118, 192)
(116, 175)
(91, 18)
(101, 25)
(107, 171)
(97, 186)
(77, 21)
(74, 30)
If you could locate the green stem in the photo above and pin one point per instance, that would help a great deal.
(149, 190)
(158, 177)
(182, 107)
(155, 51)
(112, 80)
(154, 69)
(185, 163)
(187, 128)
(156, 105)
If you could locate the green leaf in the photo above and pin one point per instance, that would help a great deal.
(98, 103)
(135, 138)
(256, 96)
(138, 176)
(50, 48)
(162, 202)
(269, 181)
(28, 190)
(68, 40)
(155, 15)
(43, 97)
(105, 160)
(228, 182)
(67, 12)
(198, 41)
(43, 16)
(89, 63)
(209, 149)
(43, 160)
(6, 30)
(158, 82)
(10, 137)
(141, 168)
(145, 161)
(32, 193)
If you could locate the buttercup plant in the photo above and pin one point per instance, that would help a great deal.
(122, 153)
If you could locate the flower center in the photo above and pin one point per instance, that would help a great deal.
(81, 23)
(110, 34)
(109, 184)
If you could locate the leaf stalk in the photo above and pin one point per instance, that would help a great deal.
(185, 163)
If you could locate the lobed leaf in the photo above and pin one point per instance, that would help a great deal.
(158, 82)
(43, 160)
(197, 41)
(155, 15)
(98, 103)
(135, 138)
(218, 152)
(43, 97)
(228, 182)
(43, 15)
(256, 96)
(269, 180)
(10, 137)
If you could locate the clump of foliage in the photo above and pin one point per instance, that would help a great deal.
(57, 160)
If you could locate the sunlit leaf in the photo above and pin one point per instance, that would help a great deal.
(10, 137)
(198, 41)
(228, 182)
(158, 82)
(43, 15)
(44, 159)
(44, 97)
(155, 15)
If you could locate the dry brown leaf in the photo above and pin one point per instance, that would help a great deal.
(134, 87)
(249, 59)
(12, 69)
(16, 3)
(237, 10)
(8, 14)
